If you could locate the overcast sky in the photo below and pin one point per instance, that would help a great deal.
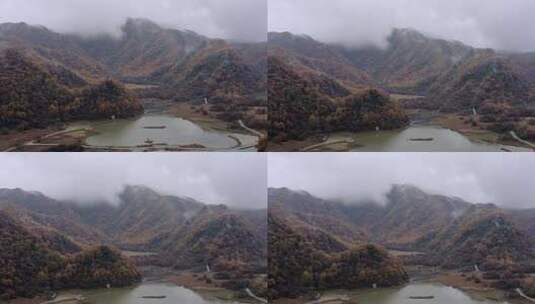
(501, 24)
(234, 179)
(243, 20)
(506, 179)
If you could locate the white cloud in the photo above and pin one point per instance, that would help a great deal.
(500, 178)
(234, 179)
(501, 24)
(243, 20)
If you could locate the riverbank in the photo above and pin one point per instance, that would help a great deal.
(221, 285)
(210, 283)
(201, 115)
(476, 132)
(193, 113)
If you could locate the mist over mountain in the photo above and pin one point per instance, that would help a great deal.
(236, 20)
(181, 233)
(369, 23)
(144, 220)
(444, 227)
(215, 180)
(483, 178)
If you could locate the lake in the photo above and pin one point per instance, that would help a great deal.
(174, 295)
(442, 295)
(164, 130)
(444, 140)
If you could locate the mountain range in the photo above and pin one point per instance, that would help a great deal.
(182, 233)
(157, 62)
(436, 230)
(431, 74)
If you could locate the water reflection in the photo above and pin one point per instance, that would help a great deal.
(441, 295)
(162, 129)
(423, 139)
(173, 295)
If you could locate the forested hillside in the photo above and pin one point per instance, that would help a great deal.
(181, 233)
(426, 73)
(453, 232)
(30, 97)
(29, 267)
(310, 238)
(58, 77)
(297, 265)
(308, 103)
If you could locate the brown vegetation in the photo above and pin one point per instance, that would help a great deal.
(29, 267)
(304, 104)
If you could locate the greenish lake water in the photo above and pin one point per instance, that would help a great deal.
(442, 295)
(444, 140)
(177, 132)
(174, 295)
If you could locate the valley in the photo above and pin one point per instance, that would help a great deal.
(173, 248)
(161, 129)
(442, 133)
(473, 99)
(97, 93)
(422, 245)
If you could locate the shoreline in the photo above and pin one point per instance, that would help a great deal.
(475, 133)
(342, 141)
(181, 279)
(73, 135)
(451, 279)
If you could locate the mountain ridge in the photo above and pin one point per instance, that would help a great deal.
(415, 221)
(145, 220)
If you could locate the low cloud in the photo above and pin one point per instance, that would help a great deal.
(500, 24)
(503, 179)
(240, 20)
(234, 179)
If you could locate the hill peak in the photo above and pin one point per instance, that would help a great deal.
(140, 25)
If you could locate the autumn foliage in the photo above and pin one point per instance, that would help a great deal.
(30, 97)
(29, 267)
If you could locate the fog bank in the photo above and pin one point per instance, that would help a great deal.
(234, 179)
(500, 178)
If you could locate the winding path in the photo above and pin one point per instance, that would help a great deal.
(67, 298)
(37, 144)
(525, 142)
(330, 300)
(255, 132)
(328, 143)
(523, 295)
(252, 295)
